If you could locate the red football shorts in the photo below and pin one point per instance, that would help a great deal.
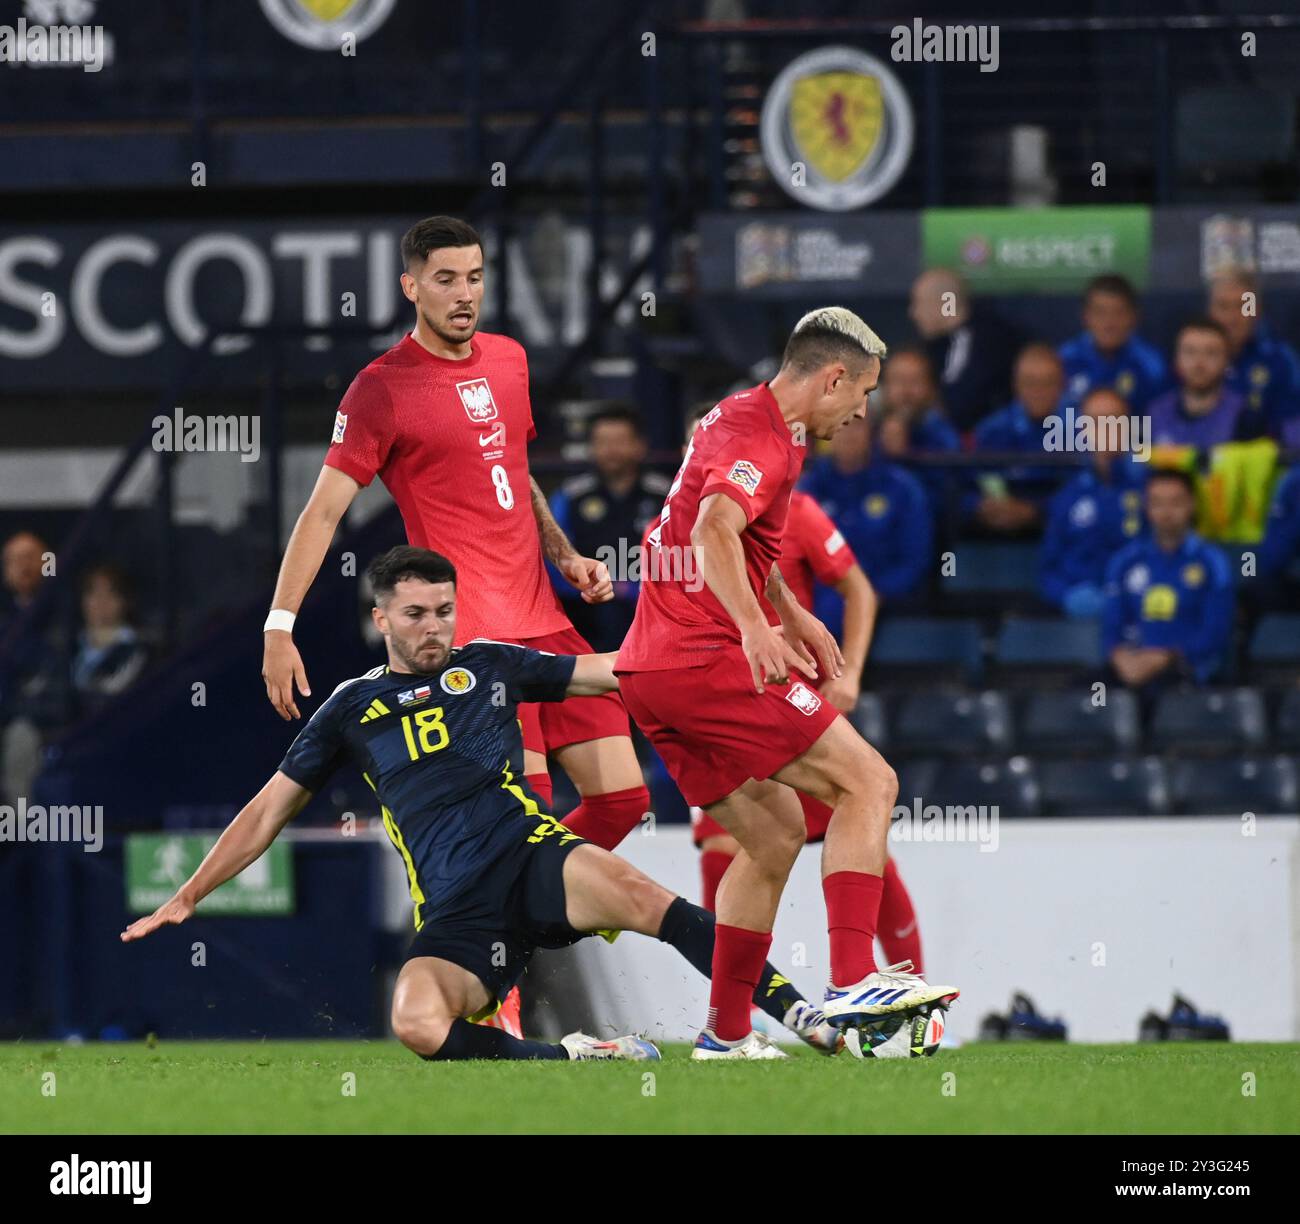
(714, 732)
(549, 725)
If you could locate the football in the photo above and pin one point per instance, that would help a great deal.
(897, 1037)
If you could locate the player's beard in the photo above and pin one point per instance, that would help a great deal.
(445, 336)
(415, 662)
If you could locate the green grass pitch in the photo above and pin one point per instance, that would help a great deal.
(301, 1087)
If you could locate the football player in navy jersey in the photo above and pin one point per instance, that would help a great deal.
(493, 875)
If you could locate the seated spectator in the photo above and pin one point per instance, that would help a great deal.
(1262, 367)
(604, 513)
(1013, 501)
(33, 687)
(914, 422)
(971, 351)
(1202, 411)
(1091, 518)
(1281, 546)
(881, 509)
(1169, 598)
(1109, 352)
(110, 654)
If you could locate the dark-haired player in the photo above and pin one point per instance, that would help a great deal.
(443, 418)
(713, 684)
(493, 875)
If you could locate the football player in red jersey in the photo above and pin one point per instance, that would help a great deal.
(813, 550)
(444, 419)
(725, 699)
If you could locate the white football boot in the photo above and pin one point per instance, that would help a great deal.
(582, 1048)
(755, 1046)
(809, 1023)
(892, 989)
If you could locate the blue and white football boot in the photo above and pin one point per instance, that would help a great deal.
(755, 1046)
(583, 1048)
(892, 989)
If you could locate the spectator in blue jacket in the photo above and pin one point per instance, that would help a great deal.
(1092, 517)
(1281, 546)
(881, 509)
(1263, 368)
(1011, 501)
(1202, 411)
(914, 423)
(1109, 352)
(1169, 595)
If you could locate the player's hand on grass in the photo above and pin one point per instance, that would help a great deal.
(170, 913)
(772, 658)
(590, 576)
(282, 669)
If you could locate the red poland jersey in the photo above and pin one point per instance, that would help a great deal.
(449, 439)
(812, 549)
(744, 450)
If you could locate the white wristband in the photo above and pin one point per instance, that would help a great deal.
(278, 618)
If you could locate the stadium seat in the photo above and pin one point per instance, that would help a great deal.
(1072, 722)
(1033, 651)
(1116, 786)
(952, 724)
(1011, 786)
(1274, 651)
(995, 565)
(1286, 726)
(868, 720)
(907, 650)
(1210, 720)
(1263, 785)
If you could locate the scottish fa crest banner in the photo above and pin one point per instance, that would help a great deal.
(321, 25)
(837, 129)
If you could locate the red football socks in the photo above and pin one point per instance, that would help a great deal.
(738, 959)
(540, 785)
(852, 907)
(899, 934)
(713, 866)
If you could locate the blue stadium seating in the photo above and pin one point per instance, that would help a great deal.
(1071, 722)
(868, 719)
(1049, 642)
(1273, 655)
(1011, 786)
(951, 724)
(1208, 720)
(1263, 785)
(909, 649)
(1038, 652)
(1286, 726)
(994, 565)
(1116, 786)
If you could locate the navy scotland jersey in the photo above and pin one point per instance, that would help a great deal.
(444, 754)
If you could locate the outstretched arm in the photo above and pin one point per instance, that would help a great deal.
(593, 674)
(281, 663)
(244, 841)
